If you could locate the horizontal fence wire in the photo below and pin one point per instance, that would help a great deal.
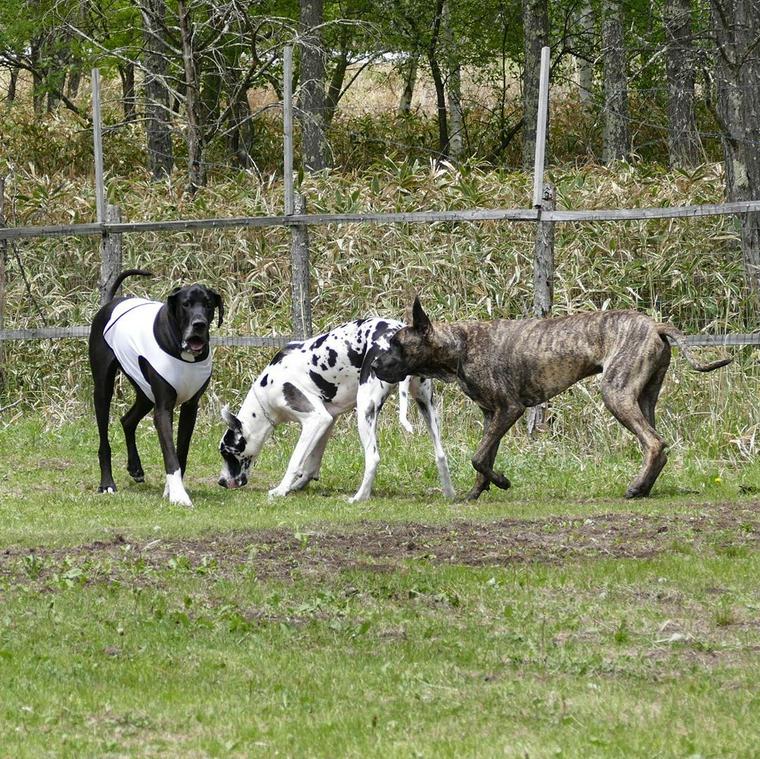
(79, 332)
(278, 341)
(412, 217)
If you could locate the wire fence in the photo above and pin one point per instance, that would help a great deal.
(298, 222)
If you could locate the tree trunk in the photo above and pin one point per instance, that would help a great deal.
(535, 37)
(128, 99)
(38, 97)
(312, 99)
(454, 91)
(616, 122)
(74, 80)
(240, 141)
(683, 139)
(196, 174)
(440, 90)
(737, 76)
(587, 44)
(410, 79)
(12, 84)
(157, 113)
(338, 76)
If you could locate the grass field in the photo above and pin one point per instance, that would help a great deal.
(552, 619)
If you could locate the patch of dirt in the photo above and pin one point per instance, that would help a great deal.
(385, 547)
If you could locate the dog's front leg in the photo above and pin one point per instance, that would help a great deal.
(369, 400)
(188, 413)
(422, 392)
(174, 489)
(313, 427)
(495, 426)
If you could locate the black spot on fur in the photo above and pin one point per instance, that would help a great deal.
(326, 389)
(332, 357)
(380, 329)
(318, 342)
(315, 359)
(284, 352)
(232, 442)
(264, 380)
(296, 399)
(355, 358)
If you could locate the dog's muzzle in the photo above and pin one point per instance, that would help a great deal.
(387, 371)
(232, 483)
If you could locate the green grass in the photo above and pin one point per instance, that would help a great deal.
(245, 627)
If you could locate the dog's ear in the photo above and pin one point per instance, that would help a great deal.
(171, 301)
(420, 321)
(231, 420)
(216, 299)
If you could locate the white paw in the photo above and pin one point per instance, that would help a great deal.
(175, 491)
(407, 425)
(277, 493)
(181, 500)
(359, 497)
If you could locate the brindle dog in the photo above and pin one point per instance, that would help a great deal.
(506, 366)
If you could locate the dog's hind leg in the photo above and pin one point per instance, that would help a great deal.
(651, 392)
(495, 426)
(104, 375)
(140, 408)
(422, 392)
(623, 403)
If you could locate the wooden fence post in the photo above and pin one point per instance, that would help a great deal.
(543, 258)
(299, 276)
(543, 288)
(3, 258)
(295, 204)
(110, 254)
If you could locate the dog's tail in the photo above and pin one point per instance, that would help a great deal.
(678, 337)
(126, 273)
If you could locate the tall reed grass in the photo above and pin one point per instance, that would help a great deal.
(688, 271)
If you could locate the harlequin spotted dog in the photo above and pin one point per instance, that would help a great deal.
(312, 383)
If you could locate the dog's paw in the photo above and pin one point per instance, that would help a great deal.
(107, 489)
(137, 475)
(359, 497)
(277, 493)
(501, 481)
(181, 501)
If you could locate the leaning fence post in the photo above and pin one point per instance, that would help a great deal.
(543, 250)
(295, 204)
(110, 254)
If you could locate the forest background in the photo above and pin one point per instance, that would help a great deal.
(402, 105)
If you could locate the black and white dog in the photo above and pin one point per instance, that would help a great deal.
(313, 382)
(163, 348)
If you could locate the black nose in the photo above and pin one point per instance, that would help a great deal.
(199, 325)
(223, 482)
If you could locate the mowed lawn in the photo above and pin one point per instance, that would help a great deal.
(552, 619)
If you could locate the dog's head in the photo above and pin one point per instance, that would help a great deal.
(192, 308)
(233, 449)
(411, 350)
